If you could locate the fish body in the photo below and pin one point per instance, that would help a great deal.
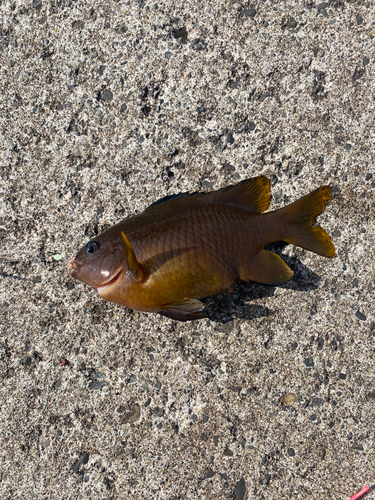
(187, 247)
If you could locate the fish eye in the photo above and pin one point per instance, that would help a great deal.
(92, 246)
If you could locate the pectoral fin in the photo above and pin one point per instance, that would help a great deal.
(182, 310)
(133, 265)
(266, 267)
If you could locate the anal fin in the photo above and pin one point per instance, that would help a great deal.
(266, 267)
(182, 310)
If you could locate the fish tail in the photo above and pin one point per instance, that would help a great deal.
(299, 219)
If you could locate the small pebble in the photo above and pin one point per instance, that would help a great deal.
(360, 316)
(84, 458)
(249, 13)
(158, 412)
(291, 24)
(317, 402)
(240, 491)
(288, 398)
(228, 452)
(229, 138)
(133, 415)
(95, 385)
(106, 96)
(209, 473)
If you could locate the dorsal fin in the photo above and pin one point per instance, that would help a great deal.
(250, 194)
(170, 197)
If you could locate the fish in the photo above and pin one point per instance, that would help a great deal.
(187, 247)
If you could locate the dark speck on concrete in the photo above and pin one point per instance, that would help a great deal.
(229, 138)
(228, 452)
(317, 402)
(158, 412)
(291, 24)
(207, 184)
(309, 362)
(321, 6)
(360, 315)
(84, 458)
(180, 33)
(95, 385)
(209, 473)
(240, 490)
(228, 168)
(27, 361)
(249, 13)
(75, 466)
(106, 95)
(78, 25)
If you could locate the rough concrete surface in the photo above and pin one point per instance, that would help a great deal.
(107, 106)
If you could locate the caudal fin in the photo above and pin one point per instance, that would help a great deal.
(299, 218)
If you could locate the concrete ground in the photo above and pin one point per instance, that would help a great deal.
(107, 106)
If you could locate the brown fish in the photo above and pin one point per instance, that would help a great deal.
(189, 246)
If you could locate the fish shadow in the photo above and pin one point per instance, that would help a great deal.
(227, 306)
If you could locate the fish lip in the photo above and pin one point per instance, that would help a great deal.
(73, 264)
(112, 280)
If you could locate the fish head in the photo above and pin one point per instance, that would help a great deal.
(101, 262)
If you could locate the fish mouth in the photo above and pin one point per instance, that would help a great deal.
(112, 280)
(74, 265)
